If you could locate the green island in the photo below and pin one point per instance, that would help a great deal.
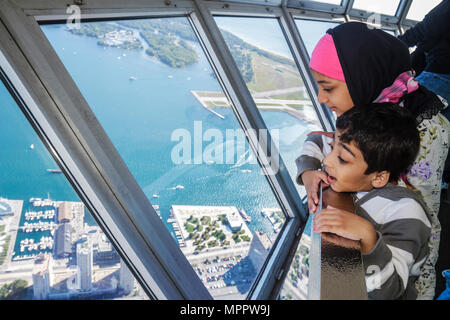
(166, 41)
(169, 40)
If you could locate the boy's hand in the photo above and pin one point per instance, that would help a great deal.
(311, 180)
(347, 225)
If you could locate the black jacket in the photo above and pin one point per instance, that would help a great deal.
(432, 38)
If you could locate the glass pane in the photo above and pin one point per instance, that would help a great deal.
(312, 31)
(296, 283)
(391, 32)
(153, 91)
(419, 9)
(266, 64)
(50, 246)
(387, 7)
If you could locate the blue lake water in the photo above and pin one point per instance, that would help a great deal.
(139, 117)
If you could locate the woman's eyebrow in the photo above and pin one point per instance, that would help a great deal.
(324, 82)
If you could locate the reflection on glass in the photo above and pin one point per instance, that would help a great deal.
(155, 94)
(296, 284)
(391, 32)
(312, 31)
(50, 246)
(419, 9)
(387, 7)
(265, 61)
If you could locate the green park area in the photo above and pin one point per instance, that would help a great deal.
(208, 232)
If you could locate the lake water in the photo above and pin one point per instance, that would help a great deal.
(139, 117)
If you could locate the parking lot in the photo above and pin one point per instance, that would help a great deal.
(233, 275)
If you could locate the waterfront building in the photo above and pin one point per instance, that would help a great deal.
(234, 220)
(65, 212)
(84, 265)
(63, 247)
(259, 249)
(5, 208)
(42, 276)
(126, 278)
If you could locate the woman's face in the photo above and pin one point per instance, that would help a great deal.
(333, 93)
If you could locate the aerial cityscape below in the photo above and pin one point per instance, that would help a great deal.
(53, 249)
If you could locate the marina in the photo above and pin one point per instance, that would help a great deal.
(29, 244)
(33, 215)
(36, 229)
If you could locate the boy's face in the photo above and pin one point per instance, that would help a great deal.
(346, 168)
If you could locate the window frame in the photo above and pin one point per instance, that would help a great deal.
(94, 167)
(68, 127)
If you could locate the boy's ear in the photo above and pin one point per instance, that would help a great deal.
(380, 179)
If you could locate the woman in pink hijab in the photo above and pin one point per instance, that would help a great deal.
(355, 65)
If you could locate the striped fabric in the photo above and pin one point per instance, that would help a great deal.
(403, 226)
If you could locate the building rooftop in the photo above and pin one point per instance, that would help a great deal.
(65, 211)
(264, 238)
(41, 264)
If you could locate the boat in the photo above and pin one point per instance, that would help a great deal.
(32, 146)
(155, 196)
(132, 78)
(54, 170)
(245, 216)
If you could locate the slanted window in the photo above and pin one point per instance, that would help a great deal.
(153, 91)
(50, 245)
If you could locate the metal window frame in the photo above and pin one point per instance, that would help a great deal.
(77, 125)
(317, 6)
(66, 124)
(249, 117)
(90, 162)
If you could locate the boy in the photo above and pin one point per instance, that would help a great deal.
(373, 146)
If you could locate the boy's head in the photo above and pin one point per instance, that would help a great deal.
(373, 145)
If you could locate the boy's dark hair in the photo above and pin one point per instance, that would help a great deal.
(385, 133)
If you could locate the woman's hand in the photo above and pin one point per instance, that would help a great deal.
(311, 180)
(347, 225)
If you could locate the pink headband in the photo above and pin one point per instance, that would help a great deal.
(325, 60)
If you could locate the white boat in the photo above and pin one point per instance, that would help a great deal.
(155, 196)
(244, 215)
(133, 78)
(54, 170)
(32, 146)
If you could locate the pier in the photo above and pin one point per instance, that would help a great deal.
(11, 227)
